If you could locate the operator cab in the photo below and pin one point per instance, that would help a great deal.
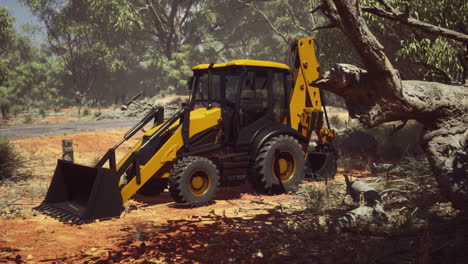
(245, 90)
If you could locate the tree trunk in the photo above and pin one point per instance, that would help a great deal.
(379, 95)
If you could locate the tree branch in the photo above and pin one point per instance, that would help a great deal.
(387, 6)
(448, 79)
(296, 23)
(368, 47)
(275, 30)
(327, 26)
(426, 27)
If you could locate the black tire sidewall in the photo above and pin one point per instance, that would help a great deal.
(184, 181)
(283, 143)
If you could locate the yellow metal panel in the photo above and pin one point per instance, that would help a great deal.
(305, 98)
(200, 120)
(309, 68)
(257, 63)
(134, 148)
(297, 102)
(309, 63)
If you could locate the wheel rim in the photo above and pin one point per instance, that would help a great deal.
(199, 183)
(284, 166)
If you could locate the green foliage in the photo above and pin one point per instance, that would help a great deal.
(7, 36)
(86, 112)
(42, 112)
(102, 52)
(16, 109)
(441, 54)
(10, 161)
(34, 78)
(419, 55)
(28, 119)
(314, 198)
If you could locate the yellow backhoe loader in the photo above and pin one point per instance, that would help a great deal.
(245, 120)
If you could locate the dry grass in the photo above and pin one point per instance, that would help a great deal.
(412, 202)
(10, 161)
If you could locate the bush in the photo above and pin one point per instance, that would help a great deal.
(10, 161)
(359, 147)
(313, 197)
(86, 112)
(28, 119)
(357, 150)
(42, 112)
(16, 109)
(407, 141)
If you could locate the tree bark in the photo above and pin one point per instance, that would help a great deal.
(378, 95)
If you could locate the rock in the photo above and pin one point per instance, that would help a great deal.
(259, 254)
(29, 257)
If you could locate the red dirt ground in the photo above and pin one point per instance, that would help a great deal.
(222, 232)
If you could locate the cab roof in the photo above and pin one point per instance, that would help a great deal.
(256, 63)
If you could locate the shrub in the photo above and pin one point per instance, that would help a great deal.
(16, 109)
(313, 197)
(345, 163)
(407, 141)
(28, 119)
(10, 161)
(357, 150)
(359, 147)
(42, 112)
(86, 112)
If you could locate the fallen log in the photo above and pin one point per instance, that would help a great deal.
(370, 209)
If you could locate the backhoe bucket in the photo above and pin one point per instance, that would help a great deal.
(80, 194)
(321, 165)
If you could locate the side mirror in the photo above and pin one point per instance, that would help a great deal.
(190, 83)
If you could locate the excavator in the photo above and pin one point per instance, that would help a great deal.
(246, 120)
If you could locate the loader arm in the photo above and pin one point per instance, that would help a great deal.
(80, 194)
(200, 120)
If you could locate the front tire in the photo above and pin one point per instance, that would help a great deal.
(194, 181)
(279, 166)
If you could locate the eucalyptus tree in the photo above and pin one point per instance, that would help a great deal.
(378, 94)
(89, 45)
(7, 35)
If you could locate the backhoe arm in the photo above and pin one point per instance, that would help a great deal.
(307, 109)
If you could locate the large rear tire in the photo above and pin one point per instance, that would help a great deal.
(279, 166)
(194, 181)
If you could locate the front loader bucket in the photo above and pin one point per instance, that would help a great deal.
(79, 194)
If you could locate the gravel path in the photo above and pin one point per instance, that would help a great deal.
(63, 128)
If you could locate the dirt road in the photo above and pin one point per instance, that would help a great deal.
(62, 128)
(220, 232)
